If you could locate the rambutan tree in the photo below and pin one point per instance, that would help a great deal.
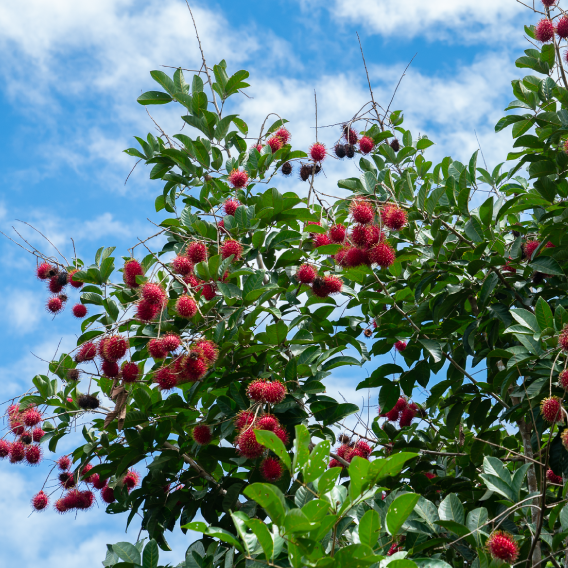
(201, 365)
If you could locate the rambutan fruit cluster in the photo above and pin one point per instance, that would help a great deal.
(553, 478)
(23, 424)
(403, 412)
(349, 450)
(57, 279)
(269, 392)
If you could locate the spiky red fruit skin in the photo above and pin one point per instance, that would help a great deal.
(194, 366)
(394, 218)
(110, 369)
(321, 239)
(165, 378)
(502, 546)
(40, 501)
(406, 416)
(283, 134)
(79, 311)
(17, 427)
(54, 285)
(334, 463)
(238, 178)
(31, 417)
(544, 31)
(255, 391)
(337, 233)
(130, 372)
(17, 452)
(529, 248)
(87, 352)
(170, 342)
(4, 448)
(267, 422)
(37, 434)
(154, 293)
(366, 144)
(306, 274)
(33, 455)
(364, 447)
(182, 265)
(343, 450)
(562, 27)
(551, 409)
(132, 269)
(319, 288)
(508, 268)
(355, 257)
(382, 254)
(360, 235)
(146, 312)
(231, 247)
(350, 135)
(131, 479)
(355, 452)
(271, 469)
(75, 283)
(202, 434)
(275, 143)
(333, 283)
(107, 494)
(282, 434)
(400, 346)
(230, 206)
(563, 339)
(209, 349)
(563, 379)
(401, 403)
(317, 152)
(186, 307)
(208, 291)
(362, 211)
(54, 305)
(392, 415)
(553, 478)
(247, 445)
(393, 549)
(243, 419)
(63, 463)
(99, 482)
(66, 480)
(44, 270)
(115, 348)
(549, 3)
(197, 252)
(156, 349)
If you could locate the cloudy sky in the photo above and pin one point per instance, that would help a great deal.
(71, 72)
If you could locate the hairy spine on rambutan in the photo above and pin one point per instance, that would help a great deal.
(182, 265)
(156, 349)
(110, 369)
(238, 178)
(502, 546)
(131, 479)
(186, 307)
(286, 168)
(283, 134)
(130, 372)
(271, 469)
(197, 252)
(244, 419)
(146, 311)
(132, 269)
(231, 247)
(54, 305)
(274, 392)
(255, 391)
(317, 152)
(339, 150)
(202, 434)
(73, 281)
(45, 271)
(208, 348)
(382, 254)
(551, 409)
(544, 31)
(366, 144)
(247, 444)
(40, 501)
(230, 206)
(306, 274)
(87, 352)
(362, 211)
(395, 145)
(88, 402)
(79, 311)
(165, 378)
(337, 233)
(275, 143)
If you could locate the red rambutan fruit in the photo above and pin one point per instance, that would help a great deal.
(73, 281)
(544, 31)
(319, 288)
(85, 474)
(271, 469)
(360, 235)
(317, 152)
(17, 427)
(156, 349)
(430, 475)
(247, 445)
(194, 366)
(146, 311)
(337, 233)
(230, 206)
(114, 348)
(132, 269)
(98, 482)
(382, 254)
(362, 211)
(508, 268)
(165, 378)
(343, 450)
(553, 478)
(87, 352)
(60, 506)
(283, 134)
(208, 291)
(255, 391)
(130, 372)
(33, 455)
(5, 447)
(37, 434)
(502, 546)
(400, 346)
(563, 379)
(45, 271)
(54, 305)
(197, 252)
(334, 284)
(170, 342)
(282, 434)
(131, 479)
(354, 257)
(202, 434)
(306, 274)
(366, 145)
(258, 147)
(406, 416)
(86, 500)
(208, 348)
(551, 409)
(63, 463)
(562, 27)
(529, 248)
(238, 178)
(321, 239)
(364, 447)
(79, 310)
(401, 403)
(66, 480)
(334, 463)
(392, 415)
(548, 3)
(563, 339)
(110, 369)
(353, 452)
(56, 283)
(341, 256)
(40, 501)
(395, 547)
(31, 417)
(267, 422)
(231, 247)
(243, 419)
(275, 143)
(182, 265)
(13, 410)
(186, 307)
(107, 494)
(154, 293)
(393, 217)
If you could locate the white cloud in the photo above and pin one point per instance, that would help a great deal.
(23, 310)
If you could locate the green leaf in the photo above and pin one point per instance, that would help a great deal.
(263, 535)
(271, 441)
(301, 447)
(249, 540)
(547, 265)
(328, 480)
(369, 527)
(150, 555)
(161, 78)
(476, 519)
(474, 230)
(154, 98)
(297, 522)
(399, 511)
(338, 362)
(317, 462)
(487, 288)
(127, 552)
(526, 319)
(434, 348)
(221, 534)
(451, 509)
(544, 314)
(270, 498)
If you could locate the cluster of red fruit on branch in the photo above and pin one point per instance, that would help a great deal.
(57, 279)
(403, 412)
(24, 424)
(502, 546)
(546, 29)
(268, 392)
(348, 450)
(322, 286)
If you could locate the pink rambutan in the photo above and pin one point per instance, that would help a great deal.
(230, 206)
(73, 281)
(362, 211)
(231, 247)
(238, 178)
(132, 269)
(392, 415)
(165, 378)
(553, 478)
(562, 27)
(529, 248)
(202, 434)
(197, 252)
(271, 469)
(544, 31)
(88, 478)
(131, 479)
(275, 143)
(54, 305)
(17, 452)
(247, 445)
(79, 310)
(563, 339)
(393, 217)
(320, 240)
(146, 311)
(364, 447)
(182, 265)
(243, 419)
(548, 3)
(400, 346)
(209, 291)
(317, 152)
(283, 134)
(366, 145)
(355, 452)
(551, 409)
(33, 455)
(382, 254)
(282, 434)
(156, 349)
(170, 342)
(130, 372)
(17, 427)
(208, 348)
(31, 417)
(40, 501)
(87, 352)
(37, 434)
(306, 274)
(502, 546)
(337, 233)
(45, 271)
(267, 422)
(154, 293)
(186, 307)
(5, 447)
(63, 463)
(107, 494)
(255, 391)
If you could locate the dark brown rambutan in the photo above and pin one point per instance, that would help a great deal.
(156, 349)
(73, 375)
(79, 310)
(132, 269)
(130, 372)
(349, 134)
(286, 168)
(339, 150)
(319, 288)
(62, 279)
(186, 307)
(182, 265)
(202, 434)
(40, 501)
(349, 150)
(271, 469)
(305, 172)
(231, 247)
(88, 402)
(306, 274)
(395, 145)
(238, 179)
(26, 437)
(66, 480)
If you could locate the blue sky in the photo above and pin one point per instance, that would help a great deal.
(71, 73)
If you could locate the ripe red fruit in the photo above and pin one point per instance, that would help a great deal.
(98, 482)
(400, 346)
(353, 452)
(355, 257)
(395, 547)
(334, 463)
(170, 342)
(230, 206)
(66, 480)
(247, 445)
(197, 252)
(154, 293)
(85, 474)
(107, 494)
(31, 417)
(182, 265)
(55, 284)
(232, 247)
(244, 418)
(306, 274)
(337, 233)
(87, 352)
(238, 178)
(549, 3)
(282, 434)
(131, 479)
(362, 211)
(208, 348)
(85, 500)
(319, 288)
(75, 283)
(17, 452)
(271, 469)
(544, 31)
(275, 143)
(37, 434)
(394, 217)
(382, 254)
(255, 391)
(551, 409)
(343, 450)
(364, 447)
(502, 546)
(563, 339)
(208, 291)
(146, 312)
(165, 378)
(202, 434)
(359, 235)
(267, 422)
(406, 416)
(186, 307)
(156, 349)
(194, 366)
(317, 152)
(60, 506)
(132, 269)
(375, 235)
(508, 268)
(333, 284)
(16, 427)
(54, 305)
(4, 448)
(115, 348)
(33, 455)
(529, 248)
(63, 463)
(40, 501)
(563, 379)
(321, 239)
(562, 27)
(401, 403)
(79, 310)
(110, 369)
(366, 144)
(45, 271)
(130, 372)
(430, 475)
(283, 134)
(553, 478)
(392, 415)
